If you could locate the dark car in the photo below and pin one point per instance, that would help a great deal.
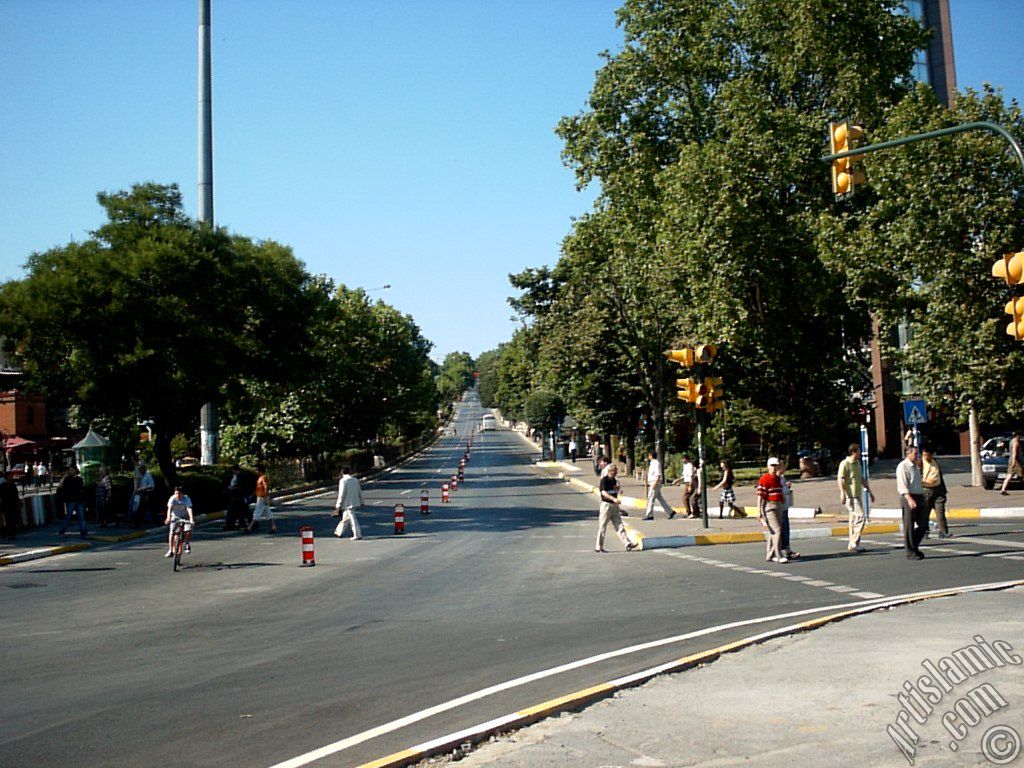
(994, 461)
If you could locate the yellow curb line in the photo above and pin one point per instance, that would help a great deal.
(51, 551)
(572, 701)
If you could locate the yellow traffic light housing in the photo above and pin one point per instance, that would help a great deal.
(682, 356)
(1009, 267)
(704, 396)
(704, 353)
(844, 178)
(686, 390)
(1015, 309)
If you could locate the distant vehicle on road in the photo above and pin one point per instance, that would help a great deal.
(488, 423)
(995, 459)
(187, 461)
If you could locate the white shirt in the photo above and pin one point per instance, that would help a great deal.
(654, 472)
(688, 472)
(908, 479)
(350, 493)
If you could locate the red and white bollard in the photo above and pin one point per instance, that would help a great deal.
(399, 518)
(307, 545)
(424, 502)
(455, 483)
(445, 496)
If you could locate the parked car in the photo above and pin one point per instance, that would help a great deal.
(995, 459)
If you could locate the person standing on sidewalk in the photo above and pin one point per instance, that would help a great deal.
(935, 492)
(104, 490)
(1014, 459)
(142, 496)
(787, 502)
(10, 506)
(654, 483)
(72, 494)
(350, 498)
(263, 509)
(573, 450)
(769, 500)
(609, 511)
(851, 495)
(915, 512)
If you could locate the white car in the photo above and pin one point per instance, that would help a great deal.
(488, 423)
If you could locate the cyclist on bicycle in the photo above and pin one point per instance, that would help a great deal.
(179, 507)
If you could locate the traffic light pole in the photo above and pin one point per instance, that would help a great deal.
(702, 469)
(977, 126)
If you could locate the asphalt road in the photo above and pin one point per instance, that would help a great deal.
(247, 659)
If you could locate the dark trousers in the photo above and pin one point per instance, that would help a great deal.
(236, 515)
(935, 500)
(915, 522)
(142, 511)
(784, 532)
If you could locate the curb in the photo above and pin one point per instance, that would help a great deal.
(578, 699)
(36, 554)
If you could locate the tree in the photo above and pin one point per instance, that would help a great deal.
(544, 410)
(456, 376)
(921, 248)
(704, 133)
(153, 314)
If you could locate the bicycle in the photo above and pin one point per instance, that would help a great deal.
(177, 540)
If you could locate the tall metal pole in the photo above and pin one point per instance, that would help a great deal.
(208, 415)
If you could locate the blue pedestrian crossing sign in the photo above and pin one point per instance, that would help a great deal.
(915, 412)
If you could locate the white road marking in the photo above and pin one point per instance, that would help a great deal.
(423, 714)
(807, 581)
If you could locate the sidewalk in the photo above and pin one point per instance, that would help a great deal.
(820, 494)
(794, 701)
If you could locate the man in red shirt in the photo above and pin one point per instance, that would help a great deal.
(769, 502)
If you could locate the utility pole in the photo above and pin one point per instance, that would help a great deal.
(208, 425)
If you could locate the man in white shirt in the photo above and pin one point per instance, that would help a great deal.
(654, 482)
(915, 512)
(350, 498)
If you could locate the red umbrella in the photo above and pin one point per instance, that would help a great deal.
(11, 443)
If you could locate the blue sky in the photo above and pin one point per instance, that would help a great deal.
(408, 143)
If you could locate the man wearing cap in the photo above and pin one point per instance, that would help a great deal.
(915, 511)
(769, 495)
(851, 495)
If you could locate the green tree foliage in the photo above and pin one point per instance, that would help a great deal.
(921, 247)
(544, 409)
(368, 375)
(455, 377)
(149, 317)
(155, 315)
(704, 133)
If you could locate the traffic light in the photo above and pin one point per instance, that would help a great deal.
(682, 356)
(704, 353)
(1009, 267)
(686, 390)
(710, 394)
(844, 178)
(1015, 309)
(703, 395)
